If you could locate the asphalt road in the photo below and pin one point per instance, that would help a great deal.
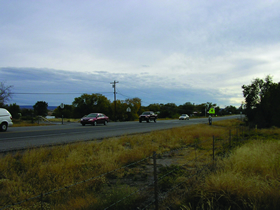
(25, 137)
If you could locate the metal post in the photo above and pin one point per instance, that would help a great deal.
(155, 180)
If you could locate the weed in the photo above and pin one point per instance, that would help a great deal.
(27, 174)
(247, 179)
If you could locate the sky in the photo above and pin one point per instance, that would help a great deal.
(160, 51)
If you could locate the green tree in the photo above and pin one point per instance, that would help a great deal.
(67, 111)
(14, 109)
(218, 110)
(153, 107)
(86, 104)
(231, 110)
(169, 110)
(186, 108)
(121, 107)
(134, 104)
(268, 110)
(41, 108)
(254, 94)
(27, 114)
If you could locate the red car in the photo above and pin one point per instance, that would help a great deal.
(94, 119)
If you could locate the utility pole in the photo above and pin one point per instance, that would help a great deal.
(115, 102)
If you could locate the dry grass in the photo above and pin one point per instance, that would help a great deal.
(65, 120)
(17, 123)
(24, 175)
(24, 123)
(248, 179)
(228, 123)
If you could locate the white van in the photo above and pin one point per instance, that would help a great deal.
(5, 119)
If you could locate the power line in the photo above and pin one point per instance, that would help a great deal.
(56, 93)
(132, 98)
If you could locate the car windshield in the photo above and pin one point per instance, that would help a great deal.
(92, 115)
(145, 113)
(184, 115)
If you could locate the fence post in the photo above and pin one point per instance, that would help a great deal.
(155, 180)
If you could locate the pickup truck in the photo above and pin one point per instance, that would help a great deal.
(148, 116)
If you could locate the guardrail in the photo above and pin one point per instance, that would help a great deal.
(156, 191)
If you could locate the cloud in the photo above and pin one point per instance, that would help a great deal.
(160, 51)
(55, 86)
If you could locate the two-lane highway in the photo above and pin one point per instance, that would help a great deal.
(35, 136)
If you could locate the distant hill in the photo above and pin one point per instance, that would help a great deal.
(31, 107)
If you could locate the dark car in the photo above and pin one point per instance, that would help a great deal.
(94, 119)
(148, 116)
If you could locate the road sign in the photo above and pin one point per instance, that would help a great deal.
(212, 111)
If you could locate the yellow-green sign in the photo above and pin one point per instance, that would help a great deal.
(212, 111)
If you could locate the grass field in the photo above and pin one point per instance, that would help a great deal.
(248, 178)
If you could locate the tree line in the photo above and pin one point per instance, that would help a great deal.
(127, 110)
(261, 107)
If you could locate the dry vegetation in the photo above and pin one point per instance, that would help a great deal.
(41, 122)
(247, 179)
(25, 123)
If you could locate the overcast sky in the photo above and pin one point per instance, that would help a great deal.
(162, 51)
